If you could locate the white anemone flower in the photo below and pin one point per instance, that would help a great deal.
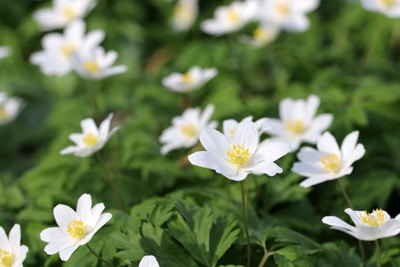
(390, 8)
(328, 161)
(193, 79)
(229, 126)
(230, 18)
(56, 58)
(185, 13)
(287, 14)
(298, 122)
(12, 254)
(367, 226)
(237, 157)
(62, 13)
(185, 129)
(96, 64)
(262, 35)
(10, 107)
(75, 228)
(149, 261)
(4, 51)
(91, 139)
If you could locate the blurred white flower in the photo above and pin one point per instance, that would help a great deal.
(96, 64)
(185, 129)
(74, 228)
(62, 13)
(229, 126)
(56, 58)
(298, 121)
(390, 8)
(328, 162)
(12, 254)
(368, 226)
(4, 51)
(91, 139)
(287, 14)
(10, 107)
(262, 35)
(185, 13)
(237, 157)
(148, 261)
(230, 18)
(189, 81)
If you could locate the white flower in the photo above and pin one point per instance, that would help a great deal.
(191, 80)
(262, 35)
(298, 122)
(185, 129)
(10, 107)
(4, 51)
(62, 13)
(237, 157)
(148, 261)
(96, 64)
(229, 126)
(74, 228)
(287, 14)
(185, 13)
(56, 58)
(328, 162)
(390, 8)
(368, 226)
(12, 254)
(230, 18)
(91, 139)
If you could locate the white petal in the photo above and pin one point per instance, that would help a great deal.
(84, 207)
(63, 215)
(327, 143)
(89, 126)
(66, 253)
(149, 261)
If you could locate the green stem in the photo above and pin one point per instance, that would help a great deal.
(243, 187)
(378, 253)
(265, 257)
(93, 99)
(98, 256)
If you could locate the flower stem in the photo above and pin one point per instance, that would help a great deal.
(265, 257)
(378, 253)
(98, 256)
(93, 99)
(243, 187)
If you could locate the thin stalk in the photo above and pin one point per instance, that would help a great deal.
(98, 256)
(378, 253)
(265, 257)
(243, 187)
(93, 99)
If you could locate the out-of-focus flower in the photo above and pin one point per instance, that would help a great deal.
(262, 35)
(287, 14)
(298, 122)
(9, 108)
(4, 51)
(328, 162)
(390, 8)
(62, 13)
(368, 226)
(230, 18)
(229, 126)
(189, 81)
(56, 58)
(185, 129)
(237, 157)
(74, 228)
(185, 13)
(12, 254)
(96, 64)
(91, 139)
(149, 261)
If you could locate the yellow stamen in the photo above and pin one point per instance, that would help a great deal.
(3, 114)
(91, 65)
(233, 16)
(76, 229)
(331, 162)
(68, 13)
(6, 258)
(238, 156)
(189, 130)
(295, 127)
(388, 3)
(67, 49)
(90, 139)
(375, 219)
(282, 8)
(260, 34)
(187, 78)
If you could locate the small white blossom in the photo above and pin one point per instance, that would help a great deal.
(367, 226)
(12, 254)
(328, 161)
(4, 51)
(91, 139)
(241, 155)
(185, 129)
(298, 122)
(189, 81)
(390, 8)
(262, 35)
(185, 13)
(10, 107)
(148, 261)
(75, 228)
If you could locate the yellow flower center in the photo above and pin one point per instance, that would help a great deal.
(67, 49)
(183, 13)
(233, 16)
(295, 127)
(6, 258)
(331, 162)
(238, 156)
(76, 229)
(91, 65)
(375, 219)
(90, 139)
(68, 13)
(186, 78)
(3, 114)
(260, 34)
(189, 130)
(282, 8)
(388, 3)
